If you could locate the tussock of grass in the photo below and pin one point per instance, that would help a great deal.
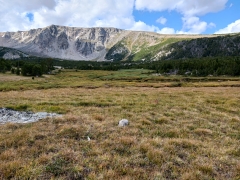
(174, 132)
(203, 132)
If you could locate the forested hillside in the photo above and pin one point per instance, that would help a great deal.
(228, 45)
(178, 47)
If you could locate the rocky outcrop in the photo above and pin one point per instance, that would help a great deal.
(12, 116)
(117, 52)
(84, 47)
(123, 122)
(62, 41)
(9, 53)
(45, 39)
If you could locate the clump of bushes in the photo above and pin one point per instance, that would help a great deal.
(31, 70)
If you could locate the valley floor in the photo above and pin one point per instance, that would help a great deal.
(186, 132)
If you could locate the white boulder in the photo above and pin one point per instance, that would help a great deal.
(123, 122)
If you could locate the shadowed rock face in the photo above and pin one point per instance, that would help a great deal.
(7, 35)
(85, 48)
(102, 35)
(92, 34)
(62, 42)
(53, 30)
(45, 39)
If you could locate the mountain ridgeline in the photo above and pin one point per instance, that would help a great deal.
(62, 42)
(114, 44)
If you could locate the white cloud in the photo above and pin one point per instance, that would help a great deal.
(231, 5)
(144, 27)
(161, 20)
(106, 13)
(211, 25)
(190, 10)
(193, 25)
(87, 13)
(78, 13)
(186, 7)
(14, 13)
(166, 30)
(231, 28)
(155, 5)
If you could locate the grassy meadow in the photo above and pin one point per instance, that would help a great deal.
(182, 128)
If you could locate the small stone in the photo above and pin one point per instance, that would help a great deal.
(88, 138)
(123, 122)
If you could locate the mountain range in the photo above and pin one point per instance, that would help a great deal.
(73, 43)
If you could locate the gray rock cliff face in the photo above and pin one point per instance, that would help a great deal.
(84, 47)
(62, 42)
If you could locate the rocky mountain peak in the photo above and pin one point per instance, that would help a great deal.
(62, 42)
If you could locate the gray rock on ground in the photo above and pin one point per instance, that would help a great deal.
(123, 122)
(12, 116)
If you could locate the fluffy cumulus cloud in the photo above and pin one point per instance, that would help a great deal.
(144, 27)
(193, 25)
(14, 13)
(25, 5)
(161, 20)
(231, 28)
(166, 30)
(186, 7)
(190, 10)
(25, 14)
(111, 13)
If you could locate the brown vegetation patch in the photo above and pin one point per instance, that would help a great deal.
(174, 133)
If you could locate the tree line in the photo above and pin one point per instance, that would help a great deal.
(5, 65)
(215, 66)
(27, 67)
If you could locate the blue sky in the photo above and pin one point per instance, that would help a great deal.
(221, 19)
(161, 16)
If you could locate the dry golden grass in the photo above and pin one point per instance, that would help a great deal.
(174, 133)
(11, 77)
